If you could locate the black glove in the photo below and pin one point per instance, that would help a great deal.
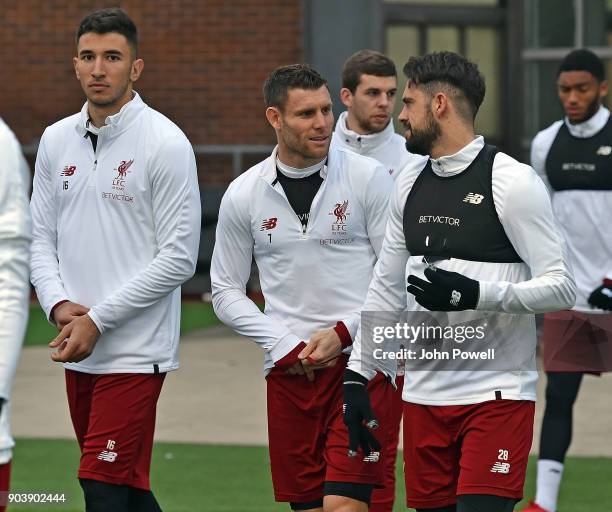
(447, 291)
(602, 297)
(359, 418)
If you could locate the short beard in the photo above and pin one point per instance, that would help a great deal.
(590, 111)
(421, 142)
(369, 128)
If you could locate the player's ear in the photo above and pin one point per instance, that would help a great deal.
(439, 104)
(75, 61)
(346, 97)
(273, 116)
(137, 67)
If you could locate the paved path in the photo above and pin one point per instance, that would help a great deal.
(218, 396)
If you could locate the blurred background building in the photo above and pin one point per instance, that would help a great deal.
(205, 62)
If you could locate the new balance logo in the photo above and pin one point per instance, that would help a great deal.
(107, 456)
(473, 198)
(68, 170)
(455, 298)
(269, 223)
(373, 457)
(604, 150)
(501, 467)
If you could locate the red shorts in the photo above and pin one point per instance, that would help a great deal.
(308, 440)
(466, 449)
(114, 419)
(383, 499)
(577, 342)
(5, 481)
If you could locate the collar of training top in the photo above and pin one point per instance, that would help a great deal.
(454, 164)
(591, 126)
(116, 123)
(361, 143)
(268, 167)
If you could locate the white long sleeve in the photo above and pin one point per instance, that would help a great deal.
(45, 265)
(15, 237)
(523, 206)
(230, 271)
(117, 231)
(312, 278)
(175, 201)
(580, 212)
(543, 281)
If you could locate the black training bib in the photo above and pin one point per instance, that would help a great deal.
(580, 164)
(455, 217)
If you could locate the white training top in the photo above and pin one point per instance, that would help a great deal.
(15, 237)
(388, 147)
(543, 282)
(310, 279)
(118, 231)
(582, 214)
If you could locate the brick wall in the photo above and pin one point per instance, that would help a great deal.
(205, 62)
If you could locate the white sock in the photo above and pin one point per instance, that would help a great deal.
(548, 483)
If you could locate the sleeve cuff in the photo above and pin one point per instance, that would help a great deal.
(50, 318)
(96, 320)
(283, 346)
(487, 296)
(345, 336)
(291, 358)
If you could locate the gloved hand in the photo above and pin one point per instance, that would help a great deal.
(359, 418)
(601, 297)
(445, 291)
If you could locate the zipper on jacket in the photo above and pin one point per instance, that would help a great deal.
(91, 182)
(303, 235)
(92, 175)
(314, 202)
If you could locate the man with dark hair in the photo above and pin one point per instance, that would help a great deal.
(15, 237)
(486, 222)
(314, 220)
(572, 156)
(110, 20)
(116, 224)
(369, 89)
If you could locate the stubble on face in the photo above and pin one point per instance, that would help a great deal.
(422, 140)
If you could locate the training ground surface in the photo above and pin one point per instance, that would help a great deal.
(218, 397)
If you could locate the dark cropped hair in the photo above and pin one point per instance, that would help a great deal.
(583, 60)
(295, 76)
(108, 20)
(365, 62)
(452, 73)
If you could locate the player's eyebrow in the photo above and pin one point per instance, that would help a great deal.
(113, 51)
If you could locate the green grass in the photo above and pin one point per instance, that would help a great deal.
(206, 478)
(194, 315)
